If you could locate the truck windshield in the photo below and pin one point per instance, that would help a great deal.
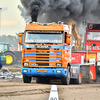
(93, 36)
(36, 37)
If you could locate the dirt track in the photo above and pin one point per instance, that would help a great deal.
(15, 89)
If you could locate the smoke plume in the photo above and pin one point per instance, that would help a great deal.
(63, 10)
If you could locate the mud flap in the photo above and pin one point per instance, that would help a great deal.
(85, 73)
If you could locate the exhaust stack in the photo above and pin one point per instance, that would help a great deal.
(34, 13)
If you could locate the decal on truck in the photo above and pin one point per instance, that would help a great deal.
(92, 48)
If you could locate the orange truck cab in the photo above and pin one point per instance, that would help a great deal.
(46, 53)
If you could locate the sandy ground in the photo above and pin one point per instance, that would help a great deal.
(15, 89)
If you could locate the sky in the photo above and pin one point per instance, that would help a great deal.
(11, 22)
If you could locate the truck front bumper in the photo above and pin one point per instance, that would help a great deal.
(44, 72)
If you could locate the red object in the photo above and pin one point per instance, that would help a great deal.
(93, 72)
(76, 57)
(92, 27)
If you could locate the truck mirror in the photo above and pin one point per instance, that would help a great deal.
(20, 38)
(20, 34)
(68, 39)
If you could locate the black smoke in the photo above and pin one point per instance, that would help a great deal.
(63, 10)
(34, 9)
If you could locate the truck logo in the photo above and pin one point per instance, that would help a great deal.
(42, 46)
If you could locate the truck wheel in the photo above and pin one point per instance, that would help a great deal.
(38, 80)
(10, 58)
(79, 80)
(66, 80)
(46, 80)
(26, 79)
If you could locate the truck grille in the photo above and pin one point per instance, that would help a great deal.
(42, 56)
(43, 64)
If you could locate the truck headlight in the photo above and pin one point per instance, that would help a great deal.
(25, 70)
(58, 71)
(58, 64)
(25, 64)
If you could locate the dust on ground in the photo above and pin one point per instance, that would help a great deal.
(15, 89)
(14, 68)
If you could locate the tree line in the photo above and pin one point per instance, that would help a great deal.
(13, 40)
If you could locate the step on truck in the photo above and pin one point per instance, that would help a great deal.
(46, 53)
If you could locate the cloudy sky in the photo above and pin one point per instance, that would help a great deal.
(11, 21)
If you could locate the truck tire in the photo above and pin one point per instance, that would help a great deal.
(10, 58)
(79, 80)
(46, 80)
(66, 80)
(38, 80)
(26, 79)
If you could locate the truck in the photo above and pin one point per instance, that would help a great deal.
(46, 53)
(91, 53)
(92, 48)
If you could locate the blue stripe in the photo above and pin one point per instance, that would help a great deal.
(28, 46)
(52, 54)
(33, 51)
(29, 57)
(29, 54)
(53, 46)
(58, 52)
(58, 57)
(55, 57)
(26, 51)
(32, 60)
(52, 60)
(67, 47)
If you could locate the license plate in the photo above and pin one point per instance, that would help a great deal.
(41, 70)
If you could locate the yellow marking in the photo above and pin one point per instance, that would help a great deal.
(41, 70)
